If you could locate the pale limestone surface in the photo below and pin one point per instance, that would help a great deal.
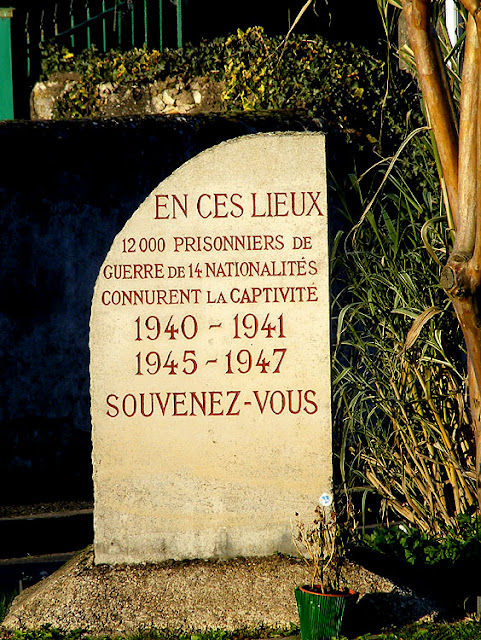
(210, 363)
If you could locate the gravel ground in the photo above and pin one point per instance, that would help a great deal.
(197, 595)
(44, 508)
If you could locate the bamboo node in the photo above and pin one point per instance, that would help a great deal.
(447, 279)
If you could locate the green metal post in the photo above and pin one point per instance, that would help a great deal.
(161, 35)
(145, 23)
(72, 25)
(27, 39)
(88, 24)
(132, 24)
(179, 23)
(6, 82)
(119, 28)
(42, 22)
(104, 28)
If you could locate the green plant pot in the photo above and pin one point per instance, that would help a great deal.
(321, 615)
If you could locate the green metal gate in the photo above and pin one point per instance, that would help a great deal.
(80, 24)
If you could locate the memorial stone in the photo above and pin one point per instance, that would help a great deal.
(210, 358)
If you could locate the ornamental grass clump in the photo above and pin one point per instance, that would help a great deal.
(401, 385)
(399, 379)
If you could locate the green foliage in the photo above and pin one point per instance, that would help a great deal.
(48, 632)
(348, 86)
(468, 630)
(418, 548)
(6, 599)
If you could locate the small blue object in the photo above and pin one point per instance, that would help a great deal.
(325, 500)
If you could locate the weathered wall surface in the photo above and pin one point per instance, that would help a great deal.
(174, 96)
(198, 96)
(66, 190)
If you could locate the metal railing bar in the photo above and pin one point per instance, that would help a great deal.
(90, 20)
(55, 23)
(87, 13)
(72, 25)
(161, 34)
(179, 23)
(104, 29)
(119, 26)
(27, 41)
(132, 24)
(145, 23)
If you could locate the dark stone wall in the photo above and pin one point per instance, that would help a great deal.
(66, 189)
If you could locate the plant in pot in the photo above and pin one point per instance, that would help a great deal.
(322, 603)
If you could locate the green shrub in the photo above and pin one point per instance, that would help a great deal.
(418, 548)
(348, 86)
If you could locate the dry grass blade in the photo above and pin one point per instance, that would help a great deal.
(424, 236)
(302, 11)
(417, 325)
(385, 178)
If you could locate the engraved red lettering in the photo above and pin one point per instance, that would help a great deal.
(280, 202)
(293, 205)
(214, 401)
(237, 204)
(162, 405)
(277, 407)
(314, 202)
(133, 407)
(219, 203)
(297, 408)
(310, 402)
(182, 207)
(204, 195)
(254, 208)
(112, 406)
(261, 405)
(142, 405)
(137, 270)
(230, 410)
(160, 205)
(200, 404)
(179, 399)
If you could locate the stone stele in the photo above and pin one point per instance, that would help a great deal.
(210, 358)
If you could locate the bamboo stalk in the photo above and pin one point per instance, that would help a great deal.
(434, 92)
(468, 131)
